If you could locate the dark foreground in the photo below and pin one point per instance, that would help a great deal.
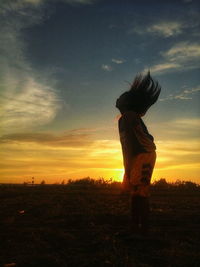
(88, 225)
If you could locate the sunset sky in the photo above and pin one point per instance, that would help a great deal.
(63, 65)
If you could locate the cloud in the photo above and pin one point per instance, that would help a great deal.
(71, 139)
(71, 154)
(23, 8)
(33, 2)
(106, 67)
(181, 56)
(178, 154)
(191, 91)
(163, 67)
(28, 98)
(182, 24)
(166, 29)
(20, 4)
(183, 52)
(75, 154)
(187, 123)
(35, 104)
(84, 2)
(176, 130)
(77, 139)
(179, 148)
(118, 61)
(186, 94)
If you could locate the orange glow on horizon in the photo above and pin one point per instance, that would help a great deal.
(101, 158)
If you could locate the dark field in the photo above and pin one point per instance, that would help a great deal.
(88, 225)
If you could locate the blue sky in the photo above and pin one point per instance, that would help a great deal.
(64, 63)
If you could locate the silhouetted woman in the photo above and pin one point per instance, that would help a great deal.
(138, 146)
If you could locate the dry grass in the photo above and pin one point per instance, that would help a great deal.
(86, 224)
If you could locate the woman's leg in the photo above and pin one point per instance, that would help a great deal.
(140, 179)
(135, 213)
(144, 215)
(140, 214)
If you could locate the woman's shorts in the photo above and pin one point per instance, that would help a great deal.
(138, 181)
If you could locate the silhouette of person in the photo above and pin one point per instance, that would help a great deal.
(138, 147)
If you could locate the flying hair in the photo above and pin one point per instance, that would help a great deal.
(143, 93)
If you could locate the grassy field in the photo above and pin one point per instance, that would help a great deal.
(85, 224)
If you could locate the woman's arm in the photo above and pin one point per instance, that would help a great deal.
(128, 121)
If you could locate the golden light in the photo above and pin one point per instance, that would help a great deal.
(118, 175)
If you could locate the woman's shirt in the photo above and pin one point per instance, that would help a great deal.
(134, 136)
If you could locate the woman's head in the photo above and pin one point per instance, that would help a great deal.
(143, 93)
(122, 102)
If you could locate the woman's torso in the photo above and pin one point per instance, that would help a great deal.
(134, 134)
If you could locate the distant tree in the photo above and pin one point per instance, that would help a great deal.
(161, 183)
(69, 181)
(178, 183)
(186, 185)
(90, 182)
(63, 182)
(43, 182)
(86, 182)
(190, 185)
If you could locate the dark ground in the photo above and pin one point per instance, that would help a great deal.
(84, 225)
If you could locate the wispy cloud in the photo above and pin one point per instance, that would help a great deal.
(71, 139)
(33, 2)
(179, 148)
(164, 67)
(28, 98)
(76, 139)
(161, 28)
(185, 94)
(183, 51)
(181, 56)
(185, 128)
(106, 67)
(77, 153)
(118, 61)
(84, 2)
(35, 104)
(178, 144)
(169, 28)
(176, 155)
(19, 4)
(71, 154)
(109, 67)
(166, 29)
(187, 123)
